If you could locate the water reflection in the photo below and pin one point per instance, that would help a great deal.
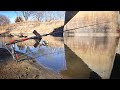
(79, 57)
(76, 68)
(50, 57)
(59, 59)
(97, 52)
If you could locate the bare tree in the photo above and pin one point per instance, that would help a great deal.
(4, 20)
(61, 15)
(38, 15)
(48, 16)
(17, 13)
(26, 14)
(41, 15)
(54, 15)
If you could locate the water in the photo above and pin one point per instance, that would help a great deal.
(75, 57)
(49, 57)
(97, 52)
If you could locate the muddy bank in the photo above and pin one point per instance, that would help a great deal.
(27, 69)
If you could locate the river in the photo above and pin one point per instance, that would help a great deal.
(72, 57)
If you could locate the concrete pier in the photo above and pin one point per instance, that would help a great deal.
(92, 36)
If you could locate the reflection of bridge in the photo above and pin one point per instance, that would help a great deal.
(97, 52)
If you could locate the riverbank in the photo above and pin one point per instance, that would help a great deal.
(27, 69)
(26, 28)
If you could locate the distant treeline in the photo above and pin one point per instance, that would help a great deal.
(34, 16)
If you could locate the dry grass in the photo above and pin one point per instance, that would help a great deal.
(29, 26)
(9, 69)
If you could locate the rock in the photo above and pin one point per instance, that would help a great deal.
(36, 76)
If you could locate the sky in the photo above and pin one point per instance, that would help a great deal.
(12, 15)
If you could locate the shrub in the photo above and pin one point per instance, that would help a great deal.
(18, 19)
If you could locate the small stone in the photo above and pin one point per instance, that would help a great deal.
(35, 76)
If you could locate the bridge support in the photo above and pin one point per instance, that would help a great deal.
(97, 45)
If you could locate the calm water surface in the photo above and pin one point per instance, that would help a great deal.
(73, 57)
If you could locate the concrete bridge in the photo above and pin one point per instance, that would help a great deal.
(93, 36)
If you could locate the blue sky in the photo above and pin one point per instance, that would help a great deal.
(12, 15)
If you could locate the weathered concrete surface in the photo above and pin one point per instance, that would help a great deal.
(93, 22)
(97, 52)
(118, 47)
